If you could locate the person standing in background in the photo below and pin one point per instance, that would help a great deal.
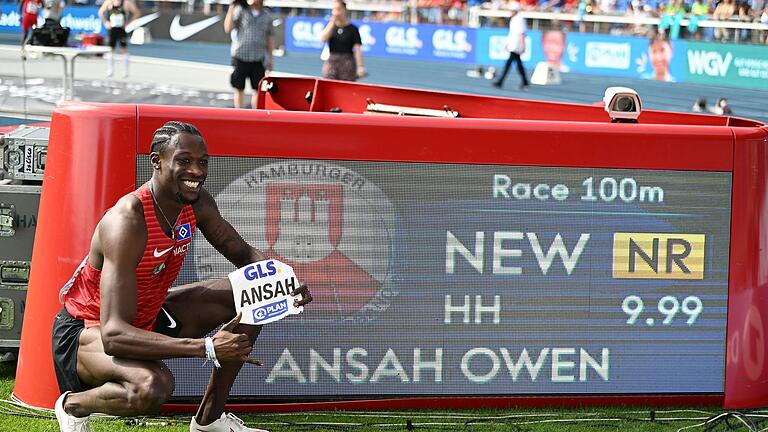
(515, 45)
(345, 61)
(28, 10)
(251, 48)
(116, 15)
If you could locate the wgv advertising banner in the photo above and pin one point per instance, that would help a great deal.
(396, 40)
(78, 19)
(589, 53)
(727, 64)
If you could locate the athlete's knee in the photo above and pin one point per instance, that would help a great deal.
(150, 391)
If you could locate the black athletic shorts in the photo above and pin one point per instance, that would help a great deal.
(117, 35)
(243, 69)
(66, 341)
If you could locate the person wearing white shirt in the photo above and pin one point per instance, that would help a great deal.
(515, 45)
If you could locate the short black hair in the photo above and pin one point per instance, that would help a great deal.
(165, 133)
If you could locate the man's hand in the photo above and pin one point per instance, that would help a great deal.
(230, 346)
(306, 296)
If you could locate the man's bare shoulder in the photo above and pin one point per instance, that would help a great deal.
(126, 214)
(204, 205)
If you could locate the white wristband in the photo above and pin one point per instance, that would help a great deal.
(210, 352)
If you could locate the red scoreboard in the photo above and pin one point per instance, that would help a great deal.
(462, 250)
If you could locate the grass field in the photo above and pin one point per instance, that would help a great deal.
(520, 420)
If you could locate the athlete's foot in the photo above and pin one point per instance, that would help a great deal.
(67, 422)
(228, 422)
(109, 73)
(523, 87)
(497, 84)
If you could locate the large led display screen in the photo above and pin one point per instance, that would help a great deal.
(457, 279)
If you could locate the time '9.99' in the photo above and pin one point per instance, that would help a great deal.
(668, 306)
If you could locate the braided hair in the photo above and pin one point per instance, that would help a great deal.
(165, 133)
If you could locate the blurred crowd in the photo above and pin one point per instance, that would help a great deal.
(670, 14)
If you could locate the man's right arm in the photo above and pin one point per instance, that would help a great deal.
(122, 237)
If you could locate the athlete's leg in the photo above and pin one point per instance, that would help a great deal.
(118, 386)
(199, 308)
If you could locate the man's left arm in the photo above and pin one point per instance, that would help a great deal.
(221, 235)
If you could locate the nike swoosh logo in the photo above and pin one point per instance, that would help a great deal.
(158, 254)
(173, 322)
(141, 21)
(180, 32)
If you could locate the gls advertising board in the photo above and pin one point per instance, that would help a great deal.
(398, 40)
(475, 279)
(678, 60)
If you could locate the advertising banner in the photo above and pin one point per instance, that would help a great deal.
(589, 53)
(395, 40)
(453, 279)
(727, 65)
(78, 19)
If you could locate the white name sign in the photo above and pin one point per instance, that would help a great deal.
(262, 291)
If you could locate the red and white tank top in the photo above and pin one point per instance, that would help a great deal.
(155, 273)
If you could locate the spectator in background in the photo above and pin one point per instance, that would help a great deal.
(638, 9)
(723, 12)
(699, 11)
(251, 48)
(52, 10)
(345, 60)
(760, 14)
(671, 16)
(516, 46)
(116, 14)
(660, 55)
(553, 45)
(28, 9)
(745, 15)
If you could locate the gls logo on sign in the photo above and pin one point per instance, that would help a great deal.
(709, 63)
(451, 43)
(403, 40)
(255, 271)
(306, 34)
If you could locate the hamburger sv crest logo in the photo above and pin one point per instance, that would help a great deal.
(333, 226)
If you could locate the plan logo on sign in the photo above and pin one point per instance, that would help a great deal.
(306, 34)
(330, 224)
(270, 310)
(710, 63)
(403, 40)
(658, 256)
(607, 55)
